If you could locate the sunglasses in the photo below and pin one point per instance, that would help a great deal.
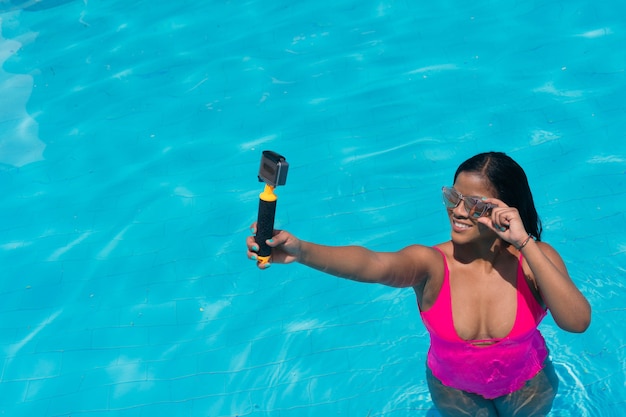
(475, 206)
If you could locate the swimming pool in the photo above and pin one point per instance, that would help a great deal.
(129, 147)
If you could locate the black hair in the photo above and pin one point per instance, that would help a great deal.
(510, 183)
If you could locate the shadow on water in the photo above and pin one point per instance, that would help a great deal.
(30, 5)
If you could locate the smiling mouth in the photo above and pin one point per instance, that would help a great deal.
(458, 225)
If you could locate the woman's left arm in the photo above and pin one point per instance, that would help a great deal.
(569, 307)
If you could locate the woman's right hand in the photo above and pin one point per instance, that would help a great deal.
(285, 247)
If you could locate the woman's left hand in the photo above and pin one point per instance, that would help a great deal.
(506, 222)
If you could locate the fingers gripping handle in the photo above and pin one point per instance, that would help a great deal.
(265, 223)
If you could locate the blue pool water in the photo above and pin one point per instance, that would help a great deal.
(130, 136)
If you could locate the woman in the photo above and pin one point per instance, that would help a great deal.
(481, 294)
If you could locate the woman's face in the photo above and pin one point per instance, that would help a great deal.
(464, 225)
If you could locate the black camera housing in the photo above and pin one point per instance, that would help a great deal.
(273, 169)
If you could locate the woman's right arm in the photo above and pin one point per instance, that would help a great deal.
(405, 268)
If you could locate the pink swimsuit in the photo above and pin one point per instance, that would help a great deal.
(492, 370)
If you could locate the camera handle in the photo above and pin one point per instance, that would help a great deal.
(273, 172)
(265, 222)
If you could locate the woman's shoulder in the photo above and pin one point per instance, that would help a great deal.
(427, 253)
(428, 260)
(548, 251)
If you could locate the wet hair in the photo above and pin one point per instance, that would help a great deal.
(509, 182)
